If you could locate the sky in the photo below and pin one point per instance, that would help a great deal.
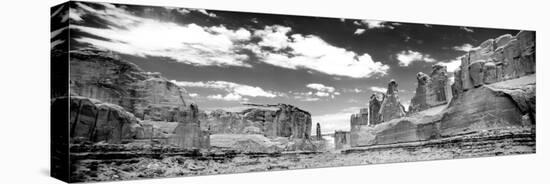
(327, 66)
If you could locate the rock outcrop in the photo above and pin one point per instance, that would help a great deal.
(494, 90)
(375, 103)
(318, 135)
(188, 133)
(432, 90)
(504, 58)
(391, 107)
(94, 121)
(104, 76)
(341, 139)
(279, 120)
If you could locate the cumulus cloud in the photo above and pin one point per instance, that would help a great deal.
(374, 24)
(234, 91)
(407, 57)
(323, 90)
(452, 65)
(465, 47)
(191, 44)
(193, 94)
(321, 87)
(313, 53)
(378, 89)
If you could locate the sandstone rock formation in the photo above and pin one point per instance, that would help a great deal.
(391, 107)
(94, 121)
(432, 90)
(341, 139)
(104, 76)
(493, 90)
(318, 134)
(188, 133)
(504, 58)
(279, 120)
(375, 103)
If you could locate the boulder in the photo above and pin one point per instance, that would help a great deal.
(483, 52)
(476, 72)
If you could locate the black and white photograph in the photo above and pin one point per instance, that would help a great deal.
(141, 92)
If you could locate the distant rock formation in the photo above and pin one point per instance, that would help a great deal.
(391, 107)
(318, 134)
(341, 139)
(432, 90)
(279, 120)
(188, 133)
(104, 76)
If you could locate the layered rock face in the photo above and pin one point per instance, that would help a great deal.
(504, 58)
(103, 76)
(490, 94)
(432, 90)
(188, 133)
(94, 121)
(279, 120)
(391, 107)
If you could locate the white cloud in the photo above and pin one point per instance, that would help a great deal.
(378, 89)
(359, 31)
(274, 36)
(407, 57)
(313, 53)
(374, 24)
(321, 87)
(465, 47)
(234, 91)
(228, 97)
(191, 44)
(193, 94)
(452, 65)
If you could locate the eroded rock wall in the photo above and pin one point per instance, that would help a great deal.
(104, 76)
(92, 120)
(432, 90)
(391, 107)
(279, 120)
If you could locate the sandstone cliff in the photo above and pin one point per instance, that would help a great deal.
(432, 90)
(279, 120)
(104, 76)
(494, 90)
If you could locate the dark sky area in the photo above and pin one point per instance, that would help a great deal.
(327, 66)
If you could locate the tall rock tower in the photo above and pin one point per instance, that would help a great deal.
(391, 107)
